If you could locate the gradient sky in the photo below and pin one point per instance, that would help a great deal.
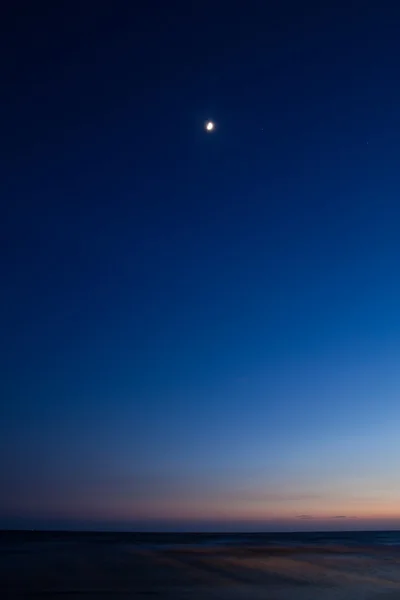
(200, 330)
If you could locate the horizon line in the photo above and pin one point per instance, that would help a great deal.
(194, 532)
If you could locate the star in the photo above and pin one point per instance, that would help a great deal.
(209, 126)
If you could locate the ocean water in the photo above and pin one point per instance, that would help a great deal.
(310, 541)
(351, 539)
(200, 566)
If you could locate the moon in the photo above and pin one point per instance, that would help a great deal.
(210, 126)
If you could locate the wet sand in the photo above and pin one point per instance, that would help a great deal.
(76, 569)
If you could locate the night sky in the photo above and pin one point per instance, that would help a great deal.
(200, 330)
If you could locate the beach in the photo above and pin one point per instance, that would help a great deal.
(90, 566)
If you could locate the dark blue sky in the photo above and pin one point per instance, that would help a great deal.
(201, 328)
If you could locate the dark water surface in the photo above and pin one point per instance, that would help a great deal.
(298, 566)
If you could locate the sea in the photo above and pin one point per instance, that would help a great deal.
(155, 540)
(351, 539)
(362, 565)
